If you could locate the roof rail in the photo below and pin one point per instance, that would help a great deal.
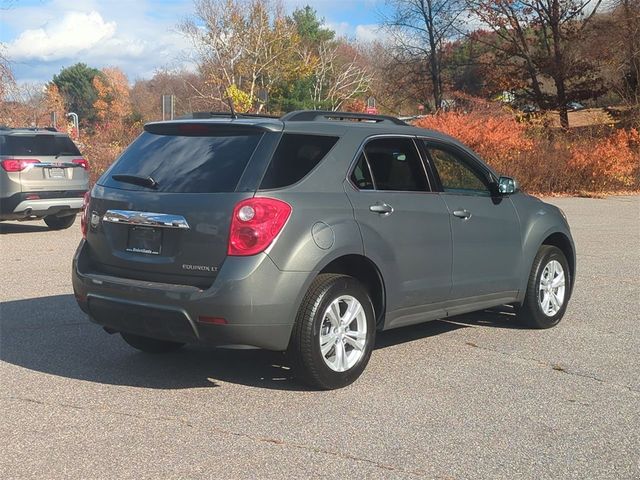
(205, 115)
(315, 115)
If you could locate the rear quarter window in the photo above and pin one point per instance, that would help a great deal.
(193, 162)
(295, 157)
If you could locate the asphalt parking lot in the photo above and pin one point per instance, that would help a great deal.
(474, 397)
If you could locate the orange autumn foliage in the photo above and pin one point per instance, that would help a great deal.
(546, 161)
(611, 163)
(112, 90)
(497, 137)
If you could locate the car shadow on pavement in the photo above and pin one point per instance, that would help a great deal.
(51, 335)
(8, 228)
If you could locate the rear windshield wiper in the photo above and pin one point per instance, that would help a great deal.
(64, 153)
(136, 180)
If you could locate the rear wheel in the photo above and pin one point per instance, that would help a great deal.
(59, 223)
(334, 332)
(150, 345)
(548, 289)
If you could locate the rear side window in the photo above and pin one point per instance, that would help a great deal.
(42, 145)
(361, 176)
(295, 157)
(186, 163)
(396, 165)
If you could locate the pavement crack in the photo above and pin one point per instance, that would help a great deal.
(556, 367)
(276, 442)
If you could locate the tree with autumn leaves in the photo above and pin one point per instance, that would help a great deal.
(265, 60)
(112, 102)
(252, 52)
(539, 41)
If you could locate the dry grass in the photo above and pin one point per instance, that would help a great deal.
(589, 117)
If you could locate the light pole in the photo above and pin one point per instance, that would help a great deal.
(75, 123)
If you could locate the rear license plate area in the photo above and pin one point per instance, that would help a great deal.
(145, 240)
(56, 173)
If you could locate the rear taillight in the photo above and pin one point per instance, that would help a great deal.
(17, 165)
(82, 162)
(84, 216)
(255, 224)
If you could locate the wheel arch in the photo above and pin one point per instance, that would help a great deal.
(553, 237)
(367, 272)
(561, 241)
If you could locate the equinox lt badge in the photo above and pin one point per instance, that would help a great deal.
(200, 268)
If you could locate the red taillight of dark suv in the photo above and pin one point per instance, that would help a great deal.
(256, 222)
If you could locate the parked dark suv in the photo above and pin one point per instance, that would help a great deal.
(309, 234)
(42, 176)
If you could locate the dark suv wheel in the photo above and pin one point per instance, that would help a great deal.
(548, 289)
(334, 332)
(59, 223)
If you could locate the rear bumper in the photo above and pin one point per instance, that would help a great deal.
(40, 204)
(258, 302)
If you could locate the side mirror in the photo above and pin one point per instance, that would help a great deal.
(507, 186)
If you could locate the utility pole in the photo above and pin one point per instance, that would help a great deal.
(168, 106)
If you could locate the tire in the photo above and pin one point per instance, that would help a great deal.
(535, 312)
(59, 223)
(150, 345)
(342, 363)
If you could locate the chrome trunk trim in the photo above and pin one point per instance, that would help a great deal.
(163, 220)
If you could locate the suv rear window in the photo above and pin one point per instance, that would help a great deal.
(295, 157)
(187, 163)
(40, 145)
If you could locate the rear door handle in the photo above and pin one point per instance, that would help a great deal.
(464, 214)
(381, 208)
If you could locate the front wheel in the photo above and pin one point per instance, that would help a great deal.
(548, 289)
(334, 332)
(150, 345)
(59, 223)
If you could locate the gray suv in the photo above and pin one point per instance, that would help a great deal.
(309, 234)
(42, 176)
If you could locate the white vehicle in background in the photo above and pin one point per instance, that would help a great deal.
(42, 176)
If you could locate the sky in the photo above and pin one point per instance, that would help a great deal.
(41, 37)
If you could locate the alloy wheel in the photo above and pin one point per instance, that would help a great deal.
(551, 289)
(343, 333)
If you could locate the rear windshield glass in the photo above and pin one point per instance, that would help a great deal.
(186, 163)
(37, 145)
(295, 157)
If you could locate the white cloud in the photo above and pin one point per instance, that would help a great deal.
(75, 34)
(137, 37)
(369, 33)
(342, 29)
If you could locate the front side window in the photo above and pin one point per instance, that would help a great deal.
(396, 165)
(455, 174)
